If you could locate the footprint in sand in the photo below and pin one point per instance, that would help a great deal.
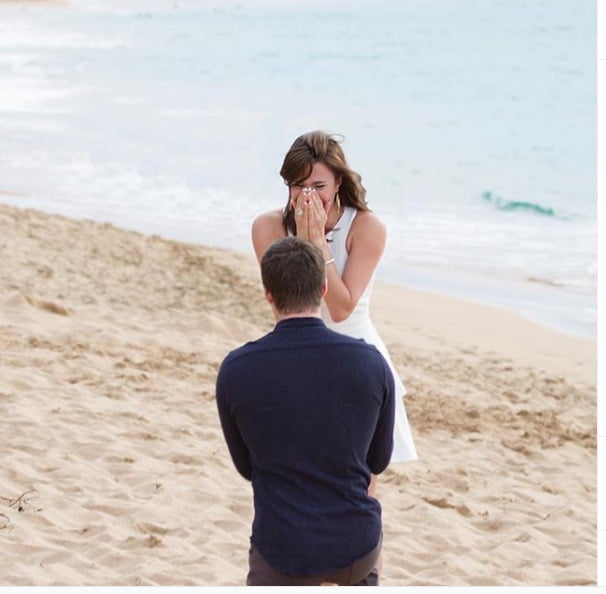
(47, 306)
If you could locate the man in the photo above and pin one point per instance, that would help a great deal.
(307, 415)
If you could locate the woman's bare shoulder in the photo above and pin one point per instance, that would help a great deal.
(270, 218)
(368, 222)
(266, 228)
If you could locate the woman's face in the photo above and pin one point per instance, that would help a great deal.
(322, 180)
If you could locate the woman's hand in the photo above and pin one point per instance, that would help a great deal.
(300, 205)
(310, 216)
(316, 219)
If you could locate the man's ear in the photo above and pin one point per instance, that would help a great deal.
(324, 286)
(269, 297)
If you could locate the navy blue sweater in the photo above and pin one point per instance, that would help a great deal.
(307, 415)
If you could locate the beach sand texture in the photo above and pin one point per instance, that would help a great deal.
(114, 470)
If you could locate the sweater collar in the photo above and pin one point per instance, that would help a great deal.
(307, 322)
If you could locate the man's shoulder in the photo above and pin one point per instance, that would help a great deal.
(356, 348)
(247, 348)
(346, 340)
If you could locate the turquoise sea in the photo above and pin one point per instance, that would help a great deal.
(472, 123)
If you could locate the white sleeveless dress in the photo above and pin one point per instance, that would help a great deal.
(359, 325)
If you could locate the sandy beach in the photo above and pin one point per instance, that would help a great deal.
(114, 470)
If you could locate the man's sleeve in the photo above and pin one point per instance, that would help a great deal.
(235, 444)
(381, 447)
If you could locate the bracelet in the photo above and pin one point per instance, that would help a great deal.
(329, 261)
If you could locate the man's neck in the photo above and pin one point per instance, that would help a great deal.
(312, 313)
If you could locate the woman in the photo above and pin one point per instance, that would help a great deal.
(326, 205)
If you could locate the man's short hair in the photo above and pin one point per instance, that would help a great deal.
(293, 272)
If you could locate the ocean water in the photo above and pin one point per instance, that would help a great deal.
(472, 124)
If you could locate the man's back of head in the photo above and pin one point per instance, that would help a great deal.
(294, 275)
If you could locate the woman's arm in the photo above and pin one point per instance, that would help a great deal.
(365, 245)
